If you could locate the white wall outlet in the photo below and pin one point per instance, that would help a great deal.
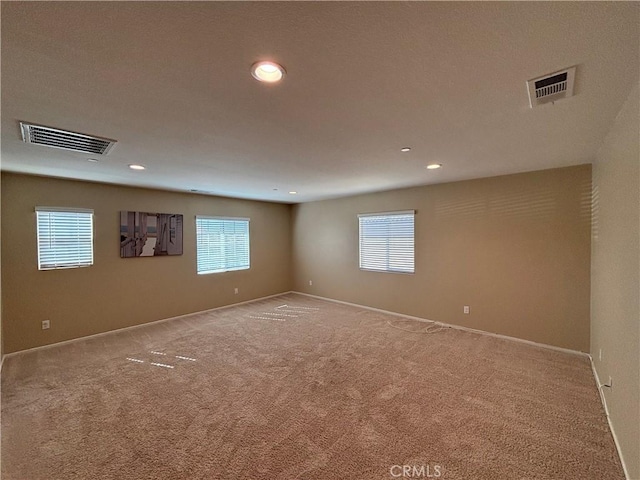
(466, 309)
(235, 290)
(46, 324)
(310, 282)
(600, 355)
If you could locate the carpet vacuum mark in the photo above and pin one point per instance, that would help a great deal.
(298, 388)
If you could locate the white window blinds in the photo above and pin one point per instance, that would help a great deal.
(222, 244)
(65, 237)
(387, 242)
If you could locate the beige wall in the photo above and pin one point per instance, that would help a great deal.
(515, 248)
(116, 292)
(615, 321)
(1, 337)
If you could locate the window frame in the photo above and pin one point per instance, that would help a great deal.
(234, 268)
(398, 251)
(47, 261)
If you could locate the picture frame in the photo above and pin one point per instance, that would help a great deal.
(146, 234)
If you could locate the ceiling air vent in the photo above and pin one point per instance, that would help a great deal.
(552, 87)
(77, 142)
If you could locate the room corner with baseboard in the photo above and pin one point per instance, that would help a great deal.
(615, 336)
(276, 240)
(457, 327)
(106, 298)
(230, 366)
(474, 238)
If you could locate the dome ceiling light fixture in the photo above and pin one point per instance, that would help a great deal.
(268, 72)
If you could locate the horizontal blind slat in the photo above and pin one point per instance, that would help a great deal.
(65, 238)
(387, 242)
(222, 244)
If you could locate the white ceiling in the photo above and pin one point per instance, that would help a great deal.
(170, 82)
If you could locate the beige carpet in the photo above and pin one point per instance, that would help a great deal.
(297, 388)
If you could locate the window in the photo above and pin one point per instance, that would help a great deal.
(387, 242)
(65, 237)
(222, 244)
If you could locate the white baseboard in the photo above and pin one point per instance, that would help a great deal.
(420, 319)
(603, 399)
(457, 327)
(505, 337)
(449, 325)
(95, 335)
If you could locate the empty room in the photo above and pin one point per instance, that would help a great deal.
(320, 240)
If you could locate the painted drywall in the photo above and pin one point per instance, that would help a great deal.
(120, 292)
(615, 320)
(515, 248)
(1, 338)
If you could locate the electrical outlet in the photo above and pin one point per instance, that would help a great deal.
(235, 290)
(466, 309)
(310, 282)
(600, 355)
(46, 324)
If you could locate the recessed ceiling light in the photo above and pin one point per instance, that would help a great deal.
(269, 72)
(137, 167)
(92, 160)
(434, 166)
(405, 149)
(292, 193)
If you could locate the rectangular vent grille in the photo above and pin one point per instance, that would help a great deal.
(551, 85)
(55, 138)
(551, 88)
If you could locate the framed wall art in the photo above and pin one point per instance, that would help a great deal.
(144, 234)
